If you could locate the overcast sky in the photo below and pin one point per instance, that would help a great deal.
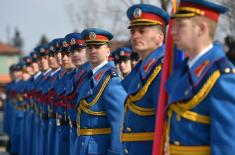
(34, 18)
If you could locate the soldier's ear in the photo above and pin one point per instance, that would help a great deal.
(203, 28)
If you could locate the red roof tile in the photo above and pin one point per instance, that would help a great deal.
(4, 79)
(8, 49)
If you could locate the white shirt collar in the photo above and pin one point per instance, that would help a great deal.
(99, 66)
(46, 71)
(37, 75)
(203, 52)
(57, 70)
(17, 80)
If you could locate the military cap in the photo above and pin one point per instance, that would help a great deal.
(34, 56)
(19, 66)
(75, 41)
(54, 45)
(96, 36)
(12, 68)
(122, 53)
(191, 8)
(65, 45)
(42, 50)
(147, 15)
(27, 60)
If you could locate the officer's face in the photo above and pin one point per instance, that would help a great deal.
(25, 75)
(145, 40)
(125, 66)
(184, 33)
(18, 74)
(59, 58)
(79, 57)
(29, 69)
(35, 67)
(53, 62)
(66, 61)
(96, 54)
(44, 62)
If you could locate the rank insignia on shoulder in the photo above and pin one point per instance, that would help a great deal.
(200, 68)
(148, 65)
(62, 73)
(97, 77)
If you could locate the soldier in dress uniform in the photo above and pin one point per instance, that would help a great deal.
(64, 80)
(79, 59)
(42, 51)
(8, 101)
(43, 88)
(33, 115)
(31, 90)
(122, 60)
(51, 109)
(18, 111)
(201, 105)
(11, 102)
(100, 99)
(27, 80)
(147, 28)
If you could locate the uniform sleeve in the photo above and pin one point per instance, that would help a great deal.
(114, 97)
(222, 112)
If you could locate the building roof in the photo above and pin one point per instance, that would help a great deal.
(6, 49)
(4, 79)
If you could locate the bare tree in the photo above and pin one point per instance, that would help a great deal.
(230, 15)
(17, 40)
(110, 16)
(165, 4)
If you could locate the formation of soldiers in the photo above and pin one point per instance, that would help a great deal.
(68, 97)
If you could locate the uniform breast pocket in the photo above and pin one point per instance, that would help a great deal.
(97, 147)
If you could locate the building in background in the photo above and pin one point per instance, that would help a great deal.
(8, 56)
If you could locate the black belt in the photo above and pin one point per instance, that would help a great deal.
(51, 115)
(60, 122)
(44, 116)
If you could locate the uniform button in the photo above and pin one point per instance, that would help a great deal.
(128, 129)
(227, 70)
(178, 118)
(186, 92)
(176, 142)
(82, 143)
(126, 151)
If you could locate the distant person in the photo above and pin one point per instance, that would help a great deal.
(230, 44)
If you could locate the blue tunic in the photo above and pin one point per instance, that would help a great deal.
(142, 86)
(205, 93)
(109, 103)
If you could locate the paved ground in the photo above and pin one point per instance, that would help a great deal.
(3, 137)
